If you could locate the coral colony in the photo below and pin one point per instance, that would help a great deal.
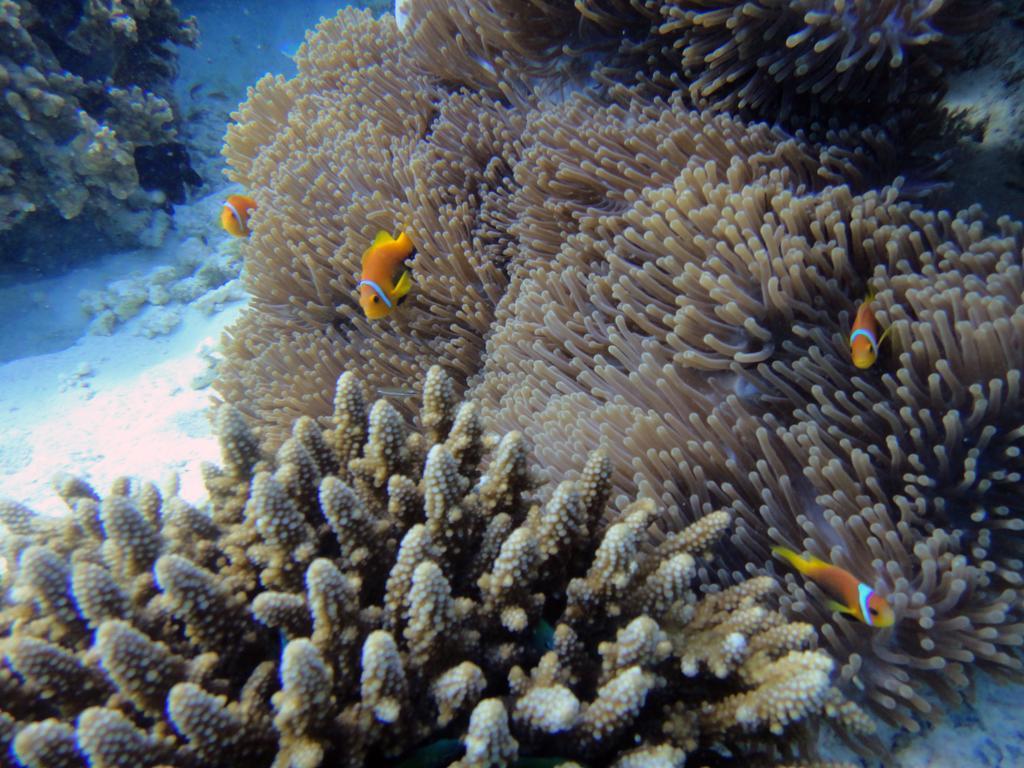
(369, 589)
(87, 103)
(626, 376)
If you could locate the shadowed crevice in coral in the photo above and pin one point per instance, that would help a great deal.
(166, 167)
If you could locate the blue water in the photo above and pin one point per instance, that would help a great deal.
(41, 299)
(240, 42)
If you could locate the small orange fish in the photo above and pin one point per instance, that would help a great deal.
(864, 339)
(234, 216)
(852, 596)
(385, 282)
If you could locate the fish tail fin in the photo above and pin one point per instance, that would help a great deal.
(795, 559)
(404, 241)
(382, 237)
(404, 284)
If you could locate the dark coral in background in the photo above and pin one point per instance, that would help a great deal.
(85, 85)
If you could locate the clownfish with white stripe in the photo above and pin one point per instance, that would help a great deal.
(234, 216)
(864, 338)
(850, 595)
(385, 281)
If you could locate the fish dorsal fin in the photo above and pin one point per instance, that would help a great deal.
(381, 237)
(795, 559)
(404, 242)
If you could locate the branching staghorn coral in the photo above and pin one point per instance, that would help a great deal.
(358, 611)
(85, 85)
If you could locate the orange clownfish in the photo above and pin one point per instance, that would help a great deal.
(864, 339)
(385, 282)
(852, 596)
(234, 216)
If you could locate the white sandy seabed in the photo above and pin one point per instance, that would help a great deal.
(128, 404)
(110, 406)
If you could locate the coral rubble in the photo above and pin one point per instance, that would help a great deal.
(370, 591)
(607, 268)
(204, 273)
(86, 88)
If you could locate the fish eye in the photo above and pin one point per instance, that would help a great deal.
(873, 611)
(376, 299)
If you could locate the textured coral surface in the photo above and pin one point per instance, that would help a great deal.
(369, 591)
(84, 86)
(611, 269)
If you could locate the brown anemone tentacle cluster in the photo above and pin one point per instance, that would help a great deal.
(784, 56)
(397, 153)
(742, 287)
(371, 139)
(381, 591)
(610, 269)
(775, 59)
(704, 345)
